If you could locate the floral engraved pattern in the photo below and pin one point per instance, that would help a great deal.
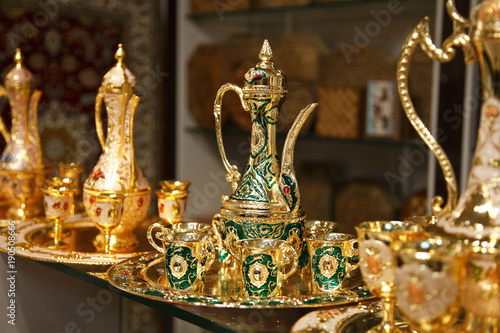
(424, 294)
(182, 267)
(95, 175)
(377, 264)
(254, 75)
(481, 292)
(328, 266)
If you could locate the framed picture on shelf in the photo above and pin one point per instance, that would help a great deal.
(382, 110)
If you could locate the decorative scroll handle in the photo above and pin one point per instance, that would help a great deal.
(134, 102)
(3, 128)
(158, 235)
(290, 253)
(420, 35)
(98, 119)
(232, 170)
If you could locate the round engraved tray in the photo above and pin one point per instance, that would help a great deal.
(78, 233)
(145, 276)
(351, 319)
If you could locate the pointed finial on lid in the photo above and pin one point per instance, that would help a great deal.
(18, 57)
(265, 52)
(120, 54)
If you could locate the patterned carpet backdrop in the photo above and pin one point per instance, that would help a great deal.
(69, 45)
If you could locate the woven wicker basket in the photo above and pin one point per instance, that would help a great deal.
(279, 3)
(339, 112)
(220, 6)
(372, 63)
(362, 201)
(208, 70)
(299, 56)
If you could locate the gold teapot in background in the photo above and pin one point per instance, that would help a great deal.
(21, 166)
(265, 202)
(117, 171)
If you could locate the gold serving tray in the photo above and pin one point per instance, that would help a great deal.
(144, 275)
(78, 233)
(352, 319)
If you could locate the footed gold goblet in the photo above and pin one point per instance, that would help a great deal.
(23, 188)
(427, 280)
(58, 200)
(73, 172)
(481, 287)
(108, 215)
(377, 262)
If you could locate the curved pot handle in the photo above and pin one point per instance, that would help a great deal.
(232, 170)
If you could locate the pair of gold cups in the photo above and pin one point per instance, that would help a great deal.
(59, 204)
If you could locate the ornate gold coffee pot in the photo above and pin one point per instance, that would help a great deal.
(475, 217)
(117, 171)
(21, 167)
(266, 202)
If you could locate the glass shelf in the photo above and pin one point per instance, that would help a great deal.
(414, 143)
(351, 9)
(185, 313)
(226, 8)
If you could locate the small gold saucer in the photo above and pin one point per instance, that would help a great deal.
(78, 233)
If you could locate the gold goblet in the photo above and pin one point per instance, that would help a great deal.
(427, 279)
(58, 200)
(108, 215)
(377, 262)
(172, 198)
(22, 188)
(481, 287)
(74, 172)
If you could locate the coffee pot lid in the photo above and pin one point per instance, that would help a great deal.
(119, 79)
(264, 78)
(19, 77)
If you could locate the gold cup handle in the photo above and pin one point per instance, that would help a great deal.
(295, 260)
(150, 237)
(3, 128)
(209, 250)
(420, 35)
(233, 176)
(217, 230)
(354, 252)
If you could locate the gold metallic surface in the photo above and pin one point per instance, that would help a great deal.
(265, 200)
(117, 171)
(475, 214)
(222, 290)
(377, 262)
(420, 35)
(78, 233)
(22, 156)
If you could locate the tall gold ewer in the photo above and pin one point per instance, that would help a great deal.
(475, 216)
(22, 170)
(265, 202)
(117, 173)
